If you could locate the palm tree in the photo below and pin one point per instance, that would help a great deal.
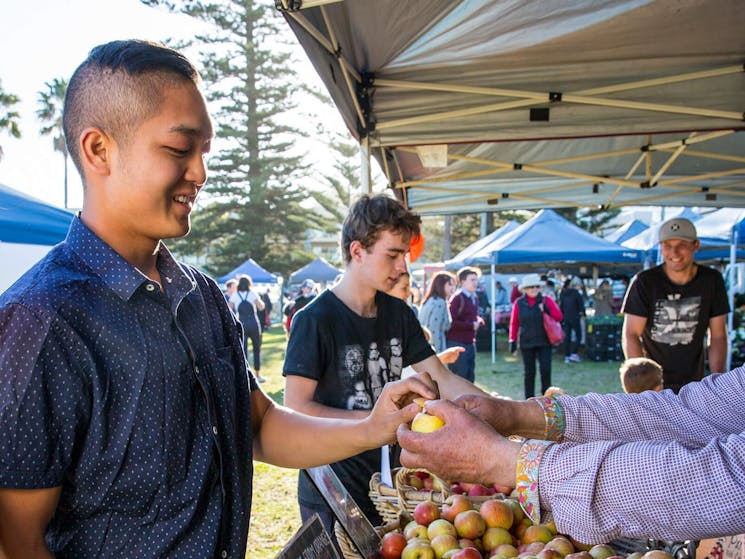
(8, 118)
(51, 101)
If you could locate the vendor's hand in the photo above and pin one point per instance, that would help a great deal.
(465, 448)
(450, 355)
(508, 417)
(395, 406)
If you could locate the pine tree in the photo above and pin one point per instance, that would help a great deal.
(8, 118)
(251, 206)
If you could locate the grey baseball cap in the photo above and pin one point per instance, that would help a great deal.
(678, 228)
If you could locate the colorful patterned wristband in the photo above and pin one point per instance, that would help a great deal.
(526, 479)
(553, 413)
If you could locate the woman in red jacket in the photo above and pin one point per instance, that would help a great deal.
(526, 326)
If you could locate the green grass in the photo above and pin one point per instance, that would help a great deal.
(275, 516)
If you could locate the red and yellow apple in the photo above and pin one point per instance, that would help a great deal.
(426, 512)
(392, 545)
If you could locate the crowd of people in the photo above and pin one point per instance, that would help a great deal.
(130, 416)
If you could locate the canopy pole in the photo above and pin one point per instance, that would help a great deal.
(493, 314)
(731, 295)
(365, 178)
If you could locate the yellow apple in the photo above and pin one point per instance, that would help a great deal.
(426, 423)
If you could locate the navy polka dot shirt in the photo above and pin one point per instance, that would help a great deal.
(135, 400)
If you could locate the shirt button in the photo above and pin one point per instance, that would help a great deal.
(196, 369)
(150, 287)
(214, 430)
(223, 553)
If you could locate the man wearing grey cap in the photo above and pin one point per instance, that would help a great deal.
(668, 310)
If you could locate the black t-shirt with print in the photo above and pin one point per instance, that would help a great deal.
(351, 358)
(677, 319)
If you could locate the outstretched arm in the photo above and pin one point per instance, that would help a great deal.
(294, 440)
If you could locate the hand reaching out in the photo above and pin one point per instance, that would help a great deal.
(450, 355)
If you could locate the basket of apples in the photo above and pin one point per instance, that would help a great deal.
(463, 529)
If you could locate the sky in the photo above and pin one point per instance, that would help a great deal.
(45, 39)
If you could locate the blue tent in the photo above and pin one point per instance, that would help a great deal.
(714, 241)
(318, 270)
(25, 220)
(627, 231)
(466, 256)
(250, 268)
(549, 239)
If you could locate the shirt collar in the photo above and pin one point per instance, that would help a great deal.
(118, 274)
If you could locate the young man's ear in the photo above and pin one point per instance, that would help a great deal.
(95, 151)
(355, 250)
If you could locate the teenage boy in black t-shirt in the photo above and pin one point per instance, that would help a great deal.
(352, 339)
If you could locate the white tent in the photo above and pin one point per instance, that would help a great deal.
(483, 105)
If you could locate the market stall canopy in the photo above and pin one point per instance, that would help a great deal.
(252, 269)
(627, 231)
(318, 270)
(466, 256)
(28, 221)
(712, 248)
(549, 240)
(28, 230)
(484, 105)
(720, 224)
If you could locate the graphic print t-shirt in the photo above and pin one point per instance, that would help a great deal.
(351, 358)
(677, 319)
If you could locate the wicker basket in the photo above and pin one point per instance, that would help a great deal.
(390, 502)
(347, 547)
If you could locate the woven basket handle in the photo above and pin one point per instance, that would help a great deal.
(402, 483)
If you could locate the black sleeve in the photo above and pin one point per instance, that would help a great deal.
(303, 356)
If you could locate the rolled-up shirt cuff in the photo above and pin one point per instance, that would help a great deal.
(553, 413)
(526, 477)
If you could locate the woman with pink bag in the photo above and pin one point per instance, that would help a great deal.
(526, 326)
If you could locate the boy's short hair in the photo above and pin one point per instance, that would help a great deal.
(119, 86)
(639, 374)
(466, 271)
(370, 215)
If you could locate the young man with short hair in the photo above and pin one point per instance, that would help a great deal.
(464, 311)
(128, 418)
(354, 338)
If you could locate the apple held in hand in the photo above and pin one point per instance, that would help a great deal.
(426, 423)
(392, 545)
